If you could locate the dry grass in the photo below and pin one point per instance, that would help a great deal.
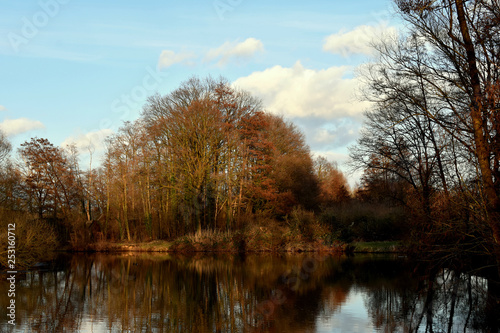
(300, 232)
(205, 240)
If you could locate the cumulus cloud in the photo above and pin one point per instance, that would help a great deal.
(169, 58)
(2, 108)
(322, 103)
(357, 41)
(93, 140)
(91, 146)
(336, 137)
(330, 134)
(339, 157)
(299, 92)
(235, 51)
(13, 127)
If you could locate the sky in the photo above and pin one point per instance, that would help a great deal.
(73, 71)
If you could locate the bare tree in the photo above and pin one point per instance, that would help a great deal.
(436, 92)
(5, 147)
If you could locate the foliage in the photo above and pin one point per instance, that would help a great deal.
(203, 165)
(204, 157)
(50, 181)
(333, 187)
(35, 239)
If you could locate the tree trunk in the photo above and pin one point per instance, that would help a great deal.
(482, 147)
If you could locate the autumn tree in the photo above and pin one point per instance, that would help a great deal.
(334, 188)
(50, 183)
(204, 156)
(128, 177)
(293, 166)
(471, 49)
(195, 134)
(260, 189)
(280, 173)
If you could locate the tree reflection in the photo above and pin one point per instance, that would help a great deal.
(443, 301)
(163, 293)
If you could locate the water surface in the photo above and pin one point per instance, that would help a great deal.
(255, 293)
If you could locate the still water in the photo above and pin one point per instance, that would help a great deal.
(255, 293)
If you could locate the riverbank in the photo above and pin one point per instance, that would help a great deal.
(200, 244)
(204, 244)
(193, 244)
(262, 237)
(377, 247)
(259, 240)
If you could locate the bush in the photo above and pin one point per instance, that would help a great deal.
(35, 239)
(205, 240)
(305, 223)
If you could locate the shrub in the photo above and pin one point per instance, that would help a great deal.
(35, 239)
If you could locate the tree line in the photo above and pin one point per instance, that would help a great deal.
(203, 157)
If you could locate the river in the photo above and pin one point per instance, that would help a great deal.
(254, 293)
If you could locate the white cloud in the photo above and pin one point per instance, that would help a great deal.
(13, 127)
(91, 146)
(324, 135)
(94, 140)
(235, 51)
(2, 108)
(169, 58)
(87, 144)
(299, 92)
(357, 41)
(322, 103)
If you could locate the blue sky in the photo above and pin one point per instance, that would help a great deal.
(74, 70)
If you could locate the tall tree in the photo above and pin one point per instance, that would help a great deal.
(465, 34)
(436, 95)
(50, 183)
(194, 128)
(332, 183)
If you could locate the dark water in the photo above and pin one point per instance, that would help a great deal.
(300, 293)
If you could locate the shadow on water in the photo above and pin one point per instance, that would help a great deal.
(255, 293)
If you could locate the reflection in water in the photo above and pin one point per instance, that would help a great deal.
(164, 293)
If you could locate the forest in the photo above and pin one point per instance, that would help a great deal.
(206, 164)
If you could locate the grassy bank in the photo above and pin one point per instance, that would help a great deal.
(376, 247)
(300, 232)
(258, 240)
(214, 242)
